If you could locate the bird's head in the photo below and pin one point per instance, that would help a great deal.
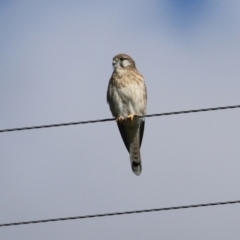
(123, 61)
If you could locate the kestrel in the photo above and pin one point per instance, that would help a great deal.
(127, 99)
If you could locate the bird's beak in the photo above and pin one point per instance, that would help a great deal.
(114, 62)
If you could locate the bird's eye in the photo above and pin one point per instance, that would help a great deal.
(121, 59)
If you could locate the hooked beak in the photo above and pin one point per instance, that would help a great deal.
(114, 62)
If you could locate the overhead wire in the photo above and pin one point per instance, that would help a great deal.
(111, 119)
(126, 212)
(119, 213)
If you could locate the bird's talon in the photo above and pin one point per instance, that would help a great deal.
(131, 116)
(120, 119)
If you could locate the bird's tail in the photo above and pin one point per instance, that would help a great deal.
(135, 156)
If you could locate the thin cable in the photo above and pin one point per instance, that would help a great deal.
(111, 119)
(120, 213)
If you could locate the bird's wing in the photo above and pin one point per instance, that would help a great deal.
(124, 134)
(127, 132)
(132, 138)
(141, 130)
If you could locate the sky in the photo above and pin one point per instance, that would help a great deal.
(55, 64)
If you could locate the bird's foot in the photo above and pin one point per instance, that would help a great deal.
(120, 119)
(131, 116)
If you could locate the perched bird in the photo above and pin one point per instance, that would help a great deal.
(127, 99)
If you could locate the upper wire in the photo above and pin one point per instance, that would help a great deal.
(111, 119)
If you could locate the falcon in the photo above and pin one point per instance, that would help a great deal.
(127, 99)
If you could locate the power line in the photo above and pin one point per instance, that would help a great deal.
(111, 119)
(119, 213)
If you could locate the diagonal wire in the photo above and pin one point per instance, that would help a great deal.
(111, 119)
(120, 213)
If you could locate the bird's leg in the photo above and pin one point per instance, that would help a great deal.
(120, 119)
(132, 116)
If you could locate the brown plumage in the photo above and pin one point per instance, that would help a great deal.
(127, 98)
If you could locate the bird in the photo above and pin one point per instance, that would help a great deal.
(127, 99)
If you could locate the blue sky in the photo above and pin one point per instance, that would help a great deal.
(188, 12)
(55, 64)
